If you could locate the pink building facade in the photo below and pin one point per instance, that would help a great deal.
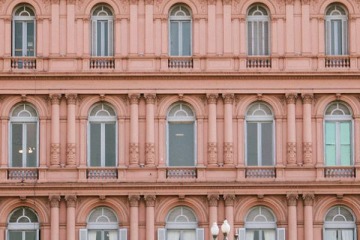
(151, 120)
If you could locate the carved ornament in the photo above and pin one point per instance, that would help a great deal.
(228, 152)
(55, 153)
(307, 98)
(211, 98)
(134, 200)
(134, 153)
(55, 99)
(71, 98)
(212, 153)
(150, 200)
(213, 200)
(291, 152)
(70, 200)
(292, 199)
(134, 98)
(307, 152)
(70, 153)
(291, 98)
(229, 199)
(150, 98)
(150, 153)
(308, 199)
(54, 201)
(228, 98)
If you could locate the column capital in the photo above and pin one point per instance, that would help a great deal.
(228, 98)
(150, 200)
(150, 98)
(55, 98)
(213, 200)
(212, 98)
(292, 199)
(54, 201)
(71, 98)
(307, 98)
(134, 200)
(308, 199)
(229, 199)
(291, 98)
(70, 200)
(134, 98)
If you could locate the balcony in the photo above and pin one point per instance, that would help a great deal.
(339, 172)
(23, 63)
(180, 62)
(337, 62)
(102, 173)
(260, 172)
(258, 62)
(22, 174)
(102, 63)
(181, 173)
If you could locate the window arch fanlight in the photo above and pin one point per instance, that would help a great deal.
(339, 224)
(23, 224)
(102, 36)
(336, 28)
(24, 136)
(338, 135)
(260, 224)
(180, 32)
(181, 224)
(102, 136)
(23, 31)
(258, 30)
(181, 135)
(260, 135)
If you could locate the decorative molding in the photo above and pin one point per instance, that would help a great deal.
(71, 98)
(228, 98)
(134, 200)
(227, 2)
(212, 152)
(212, 98)
(150, 200)
(71, 153)
(289, 2)
(236, 6)
(305, 2)
(134, 153)
(55, 154)
(307, 98)
(308, 199)
(54, 201)
(133, 2)
(211, 2)
(150, 98)
(102, 97)
(290, 98)
(70, 200)
(291, 152)
(213, 200)
(149, 2)
(55, 98)
(150, 153)
(134, 98)
(228, 152)
(23, 97)
(307, 152)
(73, 2)
(229, 199)
(292, 199)
(55, 1)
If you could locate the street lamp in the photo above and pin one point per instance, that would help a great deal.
(225, 229)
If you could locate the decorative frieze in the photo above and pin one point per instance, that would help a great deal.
(70, 153)
(150, 153)
(150, 200)
(134, 153)
(307, 152)
(213, 200)
(308, 199)
(228, 152)
(134, 200)
(292, 199)
(54, 201)
(55, 154)
(291, 152)
(70, 201)
(212, 153)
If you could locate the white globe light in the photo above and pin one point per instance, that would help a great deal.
(225, 227)
(214, 229)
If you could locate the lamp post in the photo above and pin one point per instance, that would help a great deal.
(225, 229)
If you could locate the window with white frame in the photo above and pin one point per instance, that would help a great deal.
(102, 136)
(260, 224)
(102, 224)
(24, 136)
(180, 31)
(102, 31)
(181, 135)
(23, 32)
(258, 31)
(259, 135)
(23, 224)
(336, 30)
(338, 135)
(181, 224)
(339, 224)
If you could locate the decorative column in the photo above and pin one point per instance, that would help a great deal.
(228, 128)
(291, 128)
(134, 217)
(229, 212)
(211, 31)
(213, 207)
(227, 33)
(307, 130)
(54, 217)
(55, 27)
(292, 216)
(150, 130)
(305, 21)
(150, 216)
(212, 139)
(70, 217)
(308, 216)
(134, 129)
(149, 26)
(290, 28)
(133, 26)
(55, 130)
(70, 27)
(71, 125)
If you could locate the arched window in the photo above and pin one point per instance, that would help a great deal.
(23, 32)
(259, 135)
(336, 28)
(339, 224)
(102, 224)
(102, 31)
(180, 31)
(24, 136)
(258, 31)
(338, 135)
(260, 224)
(181, 135)
(23, 224)
(102, 136)
(181, 224)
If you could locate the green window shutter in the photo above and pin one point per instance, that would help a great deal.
(345, 143)
(330, 143)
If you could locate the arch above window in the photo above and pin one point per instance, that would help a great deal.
(102, 11)
(339, 214)
(257, 10)
(181, 217)
(258, 40)
(180, 11)
(23, 218)
(102, 218)
(336, 10)
(259, 109)
(23, 111)
(181, 112)
(260, 214)
(339, 224)
(24, 11)
(337, 109)
(102, 111)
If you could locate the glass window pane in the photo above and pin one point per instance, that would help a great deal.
(186, 38)
(99, 39)
(347, 234)
(330, 234)
(252, 155)
(330, 140)
(181, 144)
(267, 144)
(173, 234)
(30, 235)
(31, 145)
(16, 145)
(188, 235)
(110, 144)
(106, 39)
(174, 38)
(345, 130)
(266, 38)
(95, 144)
(30, 39)
(18, 38)
(269, 234)
(250, 38)
(15, 235)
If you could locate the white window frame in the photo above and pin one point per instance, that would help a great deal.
(181, 226)
(103, 226)
(23, 227)
(24, 121)
(188, 119)
(340, 225)
(344, 33)
(257, 19)
(260, 226)
(102, 120)
(259, 120)
(180, 20)
(338, 119)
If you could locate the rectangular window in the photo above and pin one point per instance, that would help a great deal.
(110, 144)
(260, 144)
(95, 144)
(174, 38)
(181, 144)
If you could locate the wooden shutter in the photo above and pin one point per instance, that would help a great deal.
(111, 38)
(242, 235)
(93, 38)
(281, 234)
(161, 233)
(123, 234)
(200, 234)
(83, 234)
